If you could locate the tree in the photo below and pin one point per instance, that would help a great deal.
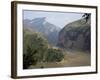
(29, 58)
(86, 16)
(54, 55)
(35, 48)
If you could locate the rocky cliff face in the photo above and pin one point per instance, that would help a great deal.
(76, 35)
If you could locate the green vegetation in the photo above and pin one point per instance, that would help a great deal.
(54, 55)
(37, 50)
(29, 58)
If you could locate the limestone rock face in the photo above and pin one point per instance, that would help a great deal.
(76, 35)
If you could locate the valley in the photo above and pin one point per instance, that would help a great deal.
(48, 46)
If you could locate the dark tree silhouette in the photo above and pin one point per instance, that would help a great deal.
(86, 16)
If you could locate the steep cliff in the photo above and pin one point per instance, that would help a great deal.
(76, 35)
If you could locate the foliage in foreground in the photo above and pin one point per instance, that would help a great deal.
(36, 50)
(54, 55)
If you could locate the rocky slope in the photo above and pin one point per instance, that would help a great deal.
(49, 30)
(76, 35)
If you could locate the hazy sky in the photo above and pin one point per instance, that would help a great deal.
(59, 19)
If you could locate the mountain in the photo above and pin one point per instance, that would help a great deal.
(49, 30)
(76, 35)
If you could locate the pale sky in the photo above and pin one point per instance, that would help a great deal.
(59, 19)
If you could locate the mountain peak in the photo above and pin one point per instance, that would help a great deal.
(39, 19)
(49, 30)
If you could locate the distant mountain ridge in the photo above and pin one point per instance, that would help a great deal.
(49, 30)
